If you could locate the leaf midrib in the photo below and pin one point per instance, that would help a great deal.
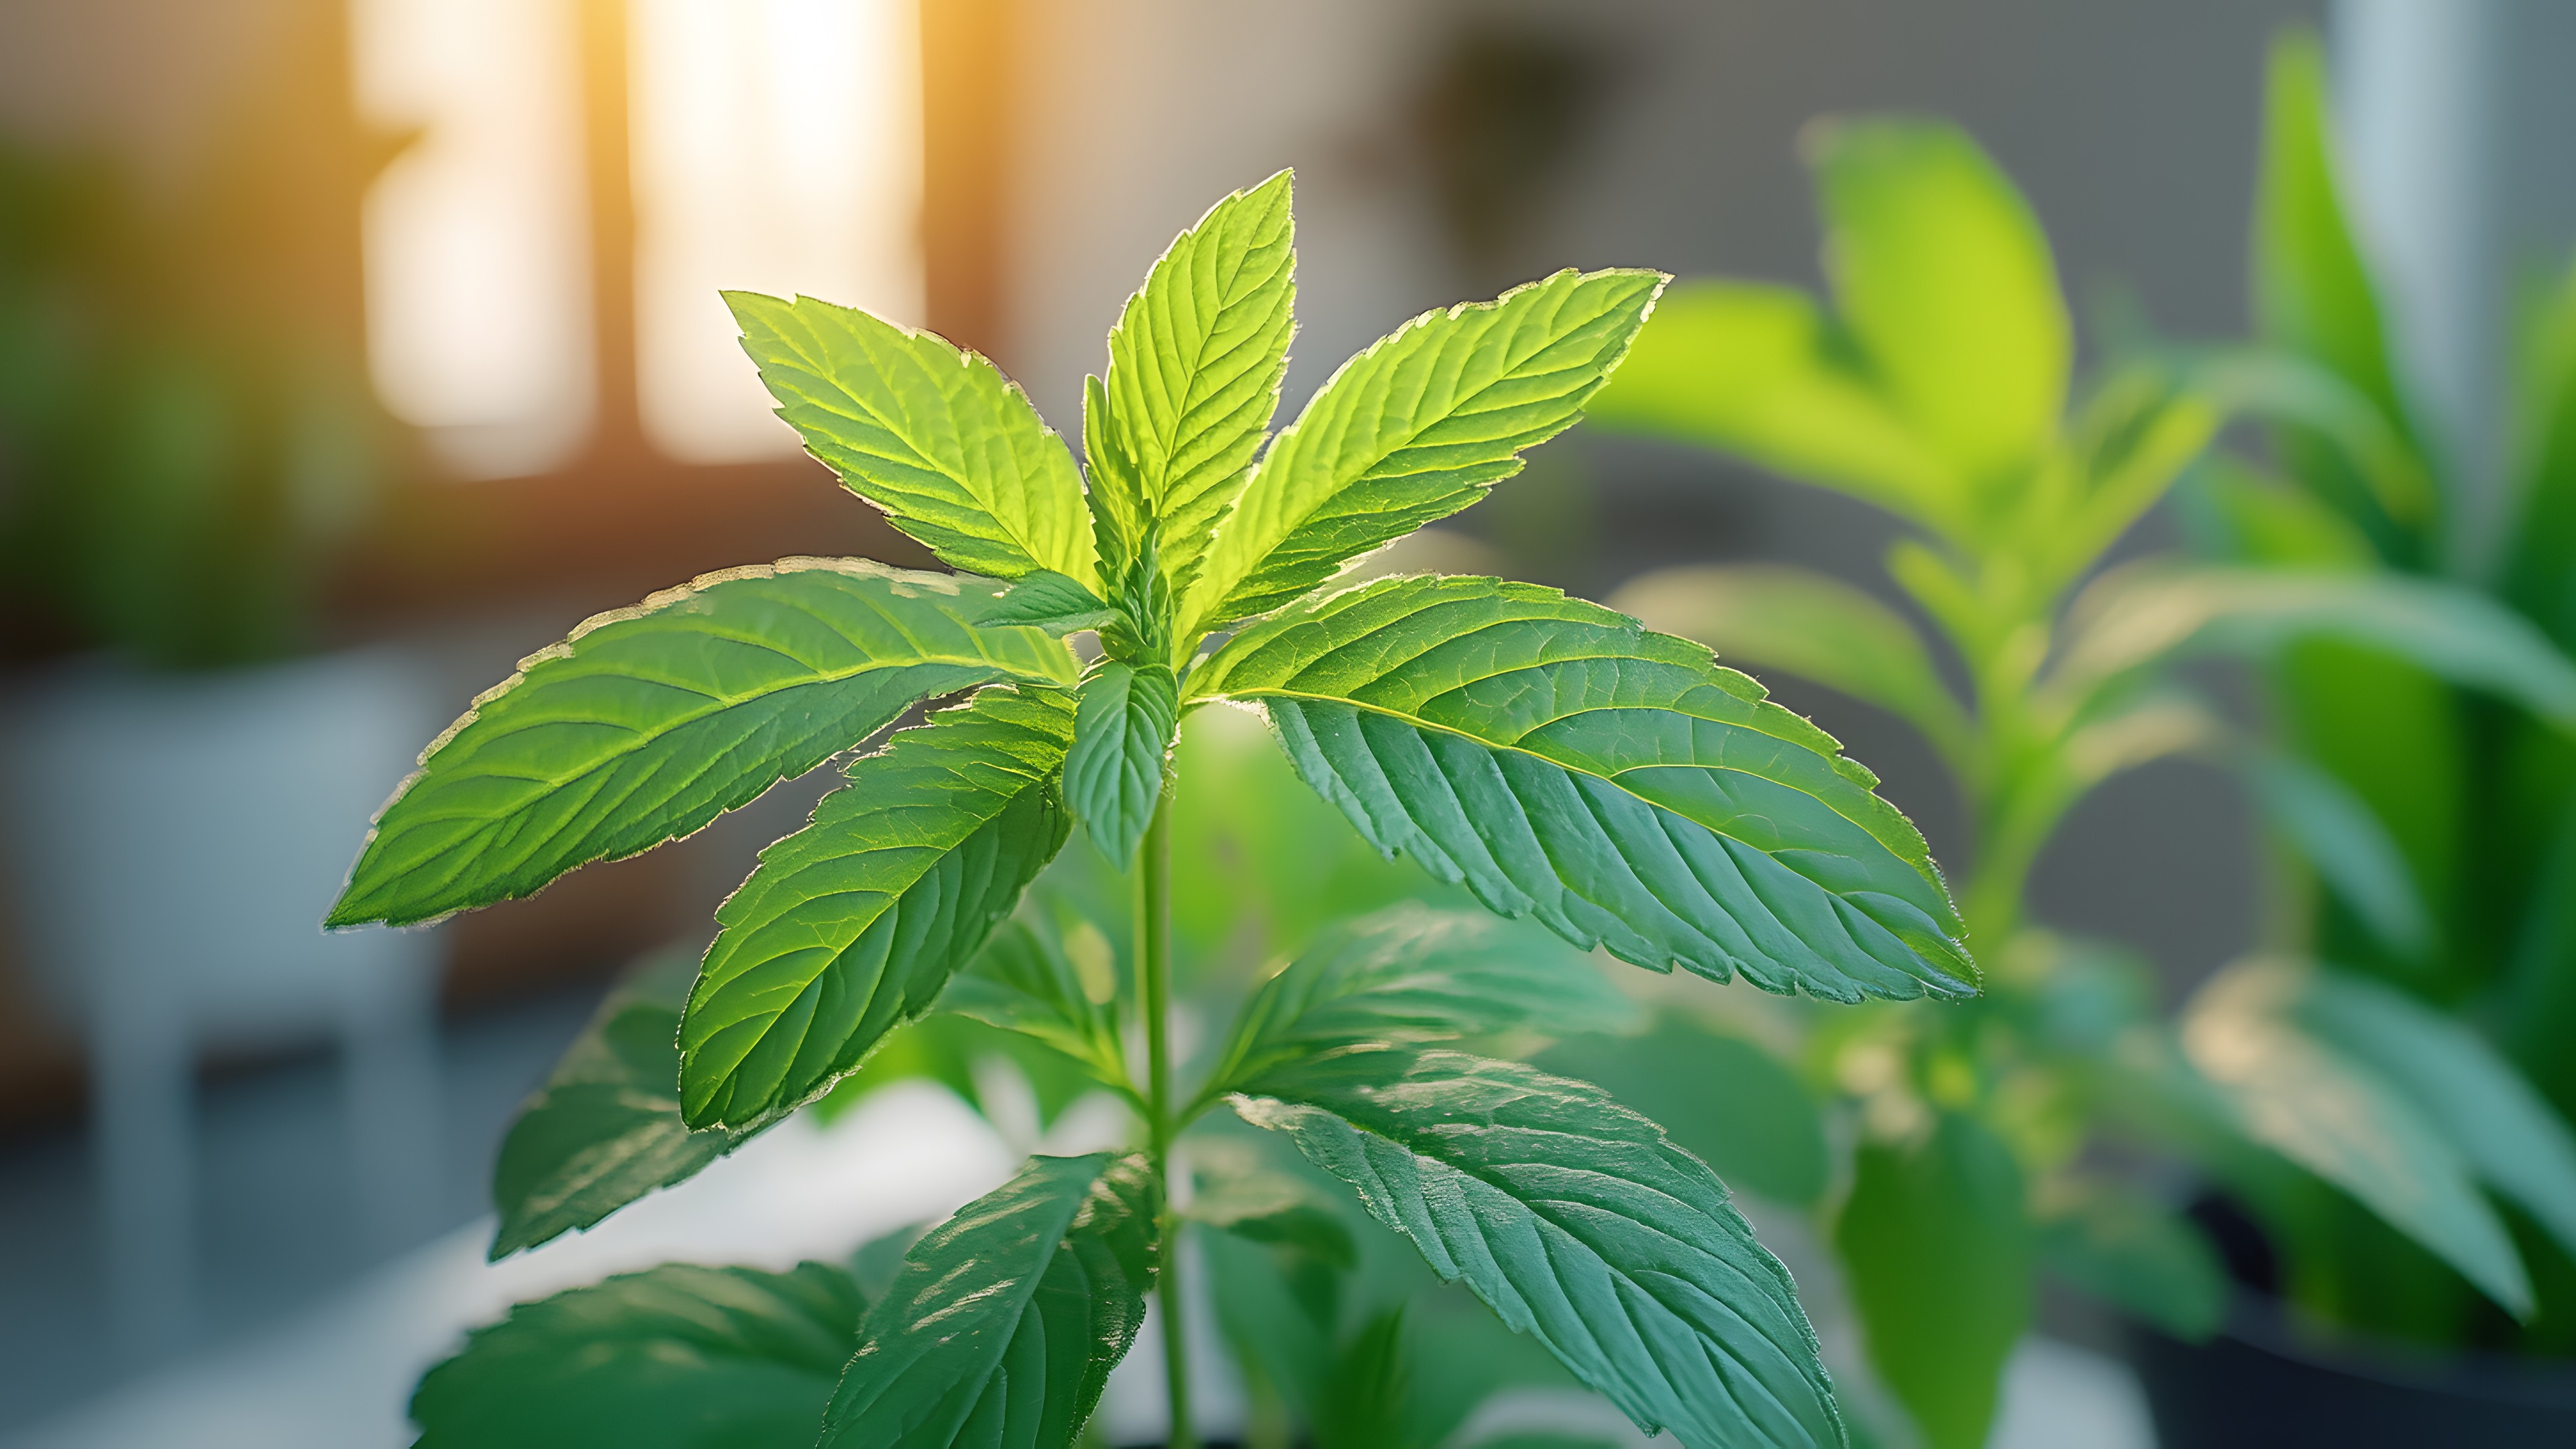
(1274, 692)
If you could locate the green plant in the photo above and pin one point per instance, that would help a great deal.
(1552, 756)
(1938, 389)
(2435, 811)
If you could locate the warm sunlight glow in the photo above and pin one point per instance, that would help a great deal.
(778, 149)
(477, 271)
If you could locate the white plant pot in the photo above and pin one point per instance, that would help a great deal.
(175, 840)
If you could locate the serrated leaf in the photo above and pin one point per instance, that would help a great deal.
(2340, 1118)
(649, 722)
(1772, 616)
(2506, 1131)
(606, 1127)
(2143, 614)
(1720, 1098)
(2139, 1256)
(1944, 279)
(949, 448)
(1122, 743)
(1004, 1321)
(1412, 974)
(1413, 429)
(1759, 371)
(853, 924)
(2334, 830)
(1025, 981)
(679, 1357)
(1577, 1222)
(1936, 1248)
(1194, 369)
(1614, 783)
(1051, 601)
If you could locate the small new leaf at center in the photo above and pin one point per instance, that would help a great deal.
(1122, 734)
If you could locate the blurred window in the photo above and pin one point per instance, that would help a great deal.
(775, 145)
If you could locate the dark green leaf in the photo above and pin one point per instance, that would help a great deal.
(1194, 369)
(938, 438)
(2351, 852)
(679, 1357)
(1565, 763)
(1122, 744)
(1263, 1207)
(1412, 974)
(854, 924)
(649, 722)
(1936, 1246)
(1052, 602)
(1416, 428)
(606, 1128)
(2339, 1117)
(1005, 1320)
(1025, 980)
(1721, 1098)
(2137, 1255)
(1576, 1221)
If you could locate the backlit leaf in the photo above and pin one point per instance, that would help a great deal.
(854, 924)
(1194, 368)
(936, 437)
(1003, 1323)
(1944, 278)
(1413, 429)
(1577, 1222)
(1565, 763)
(649, 722)
(1025, 980)
(680, 1357)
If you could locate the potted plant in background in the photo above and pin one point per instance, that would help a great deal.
(186, 444)
(1551, 756)
(2428, 967)
(1937, 390)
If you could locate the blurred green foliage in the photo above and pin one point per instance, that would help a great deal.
(187, 435)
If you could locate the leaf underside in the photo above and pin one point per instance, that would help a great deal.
(852, 925)
(680, 1357)
(606, 1128)
(949, 448)
(1003, 1322)
(1414, 429)
(1617, 785)
(1576, 1221)
(649, 722)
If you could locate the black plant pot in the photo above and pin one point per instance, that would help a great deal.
(2261, 1382)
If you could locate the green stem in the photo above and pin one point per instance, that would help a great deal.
(1154, 985)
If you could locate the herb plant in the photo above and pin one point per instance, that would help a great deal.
(1938, 390)
(2436, 812)
(1554, 757)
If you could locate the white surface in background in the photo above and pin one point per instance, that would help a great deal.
(777, 149)
(2057, 1396)
(339, 1377)
(477, 237)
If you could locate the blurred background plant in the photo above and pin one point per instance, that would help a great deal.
(1992, 1140)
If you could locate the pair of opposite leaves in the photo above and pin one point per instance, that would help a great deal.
(1554, 756)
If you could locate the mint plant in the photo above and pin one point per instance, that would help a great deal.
(1939, 387)
(1554, 757)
